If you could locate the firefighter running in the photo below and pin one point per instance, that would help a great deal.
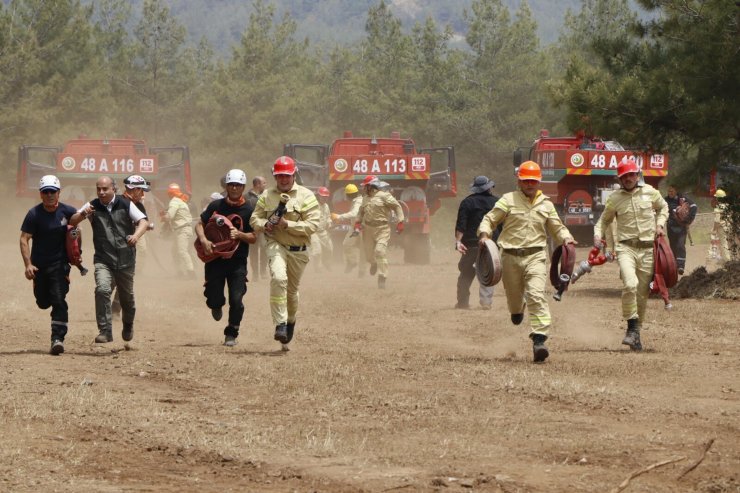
(634, 207)
(352, 244)
(321, 247)
(45, 258)
(373, 222)
(288, 226)
(180, 219)
(528, 217)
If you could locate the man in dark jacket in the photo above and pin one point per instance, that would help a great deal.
(117, 225)
(43, 234)
(469, 215)
(681, 213)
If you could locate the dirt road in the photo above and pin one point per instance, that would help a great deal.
(383, 391)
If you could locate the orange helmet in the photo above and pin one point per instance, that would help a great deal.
(627, 165)
(323, 191)
(284, 165)
(529, 170)
(173, 189)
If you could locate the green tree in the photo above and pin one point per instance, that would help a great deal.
(505, 79)
(265, 94)
(669, 83)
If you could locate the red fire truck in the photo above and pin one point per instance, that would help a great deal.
(79, 163)
(579, 172)
(418, 178)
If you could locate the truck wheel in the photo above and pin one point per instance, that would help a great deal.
(417, 249)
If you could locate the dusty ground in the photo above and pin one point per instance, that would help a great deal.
(383, 391)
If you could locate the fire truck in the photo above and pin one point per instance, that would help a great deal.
(79, 163)
(418, 177)
(579, 173)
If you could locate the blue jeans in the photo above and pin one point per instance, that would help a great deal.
(233, 273)
(105, 280)
(50, 287)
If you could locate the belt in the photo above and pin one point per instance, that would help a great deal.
(296, 248)
(375, 224)
(635, 243)
(523, 252)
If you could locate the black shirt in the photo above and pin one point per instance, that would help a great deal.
(244, 211)
(48, 232)
(470, 214)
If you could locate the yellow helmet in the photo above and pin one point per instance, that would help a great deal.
(720, 194)
(351, 188)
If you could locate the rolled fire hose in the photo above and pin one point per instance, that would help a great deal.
(218, 231)
(561, 269)
(488, 264)
(666, 274)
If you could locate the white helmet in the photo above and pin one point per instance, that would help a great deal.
(236, 176)
(49, 182)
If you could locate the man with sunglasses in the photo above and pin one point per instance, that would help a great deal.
(231, 272)
(528, 217)
(641, 214)
(43, 236)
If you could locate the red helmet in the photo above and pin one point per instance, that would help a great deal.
(369, 179)
(627, 165)
(284, 165)
(323, 191)
(529, 170)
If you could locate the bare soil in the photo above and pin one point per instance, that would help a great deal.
(390, 390)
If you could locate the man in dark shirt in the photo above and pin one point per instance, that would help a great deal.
(469, 215)
(681, 213)
(45, 259)
(231, 271)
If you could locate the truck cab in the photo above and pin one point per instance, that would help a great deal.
(418, 177)
(79, 162)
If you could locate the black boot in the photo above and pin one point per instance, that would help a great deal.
(517, 318)
(632, 337)
(538, 348)
(381, 282)
(281, 333)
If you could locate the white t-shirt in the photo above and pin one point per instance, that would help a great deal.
(133, 212)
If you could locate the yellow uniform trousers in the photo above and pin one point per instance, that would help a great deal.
(524, 282)
(286, 270)
(375, 239)
(352, 250)
(322, 248)
(636, 271)
(183, 240)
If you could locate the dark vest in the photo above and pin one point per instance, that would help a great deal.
(110, 230)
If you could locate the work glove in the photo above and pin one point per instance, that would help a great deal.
(334, 217)
(356, 230)
(598, 242)
(399, 227)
